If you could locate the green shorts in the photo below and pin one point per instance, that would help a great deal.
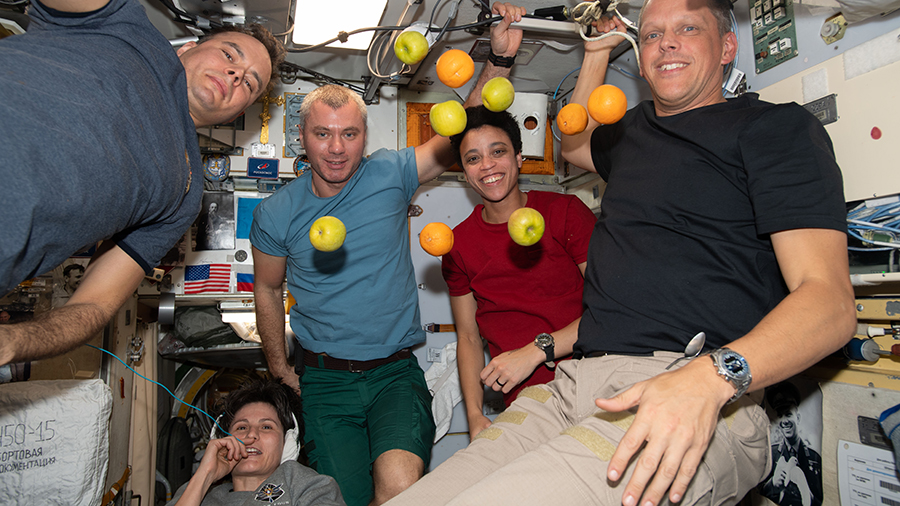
(353, 417)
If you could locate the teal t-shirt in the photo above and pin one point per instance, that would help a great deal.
(358, 302)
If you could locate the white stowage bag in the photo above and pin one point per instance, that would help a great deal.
(54, 442)
(442, 379)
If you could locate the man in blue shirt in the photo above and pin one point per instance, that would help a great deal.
(100, 144)
(365, 404)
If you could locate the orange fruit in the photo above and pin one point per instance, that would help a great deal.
(455, 67)
(572, 119)
(607, 104)
(436, 239)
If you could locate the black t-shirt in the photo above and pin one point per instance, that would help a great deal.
(682, 244)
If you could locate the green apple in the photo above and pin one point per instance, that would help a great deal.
(327, 233)
(448, 118)
(411, 47)
(526, 226)
(498, 94)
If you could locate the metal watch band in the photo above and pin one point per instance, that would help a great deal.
(740, 381)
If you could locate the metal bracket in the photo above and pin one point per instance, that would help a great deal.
(136, 351)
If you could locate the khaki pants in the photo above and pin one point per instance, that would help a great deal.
(552, 446)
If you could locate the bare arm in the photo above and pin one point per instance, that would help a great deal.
(470, 361)
(513, 367)
(110, 278)
(576, 149)
(268, 293)
(678, 410)
(220, 458)
(435, 156)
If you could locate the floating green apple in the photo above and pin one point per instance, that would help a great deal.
(327, 233)
(411, 47)
(498, 94)
(448, 118)
(526, 226)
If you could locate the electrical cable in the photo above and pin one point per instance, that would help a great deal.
(877, 227)
(434, 10)
(625, 72)
(558, 86)
(113, 355)
(342, 36)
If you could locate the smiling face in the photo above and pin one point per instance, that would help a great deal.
(73, 279)
(682, 54)
(257, 425)
(491, 164)
(334, 140)
(225, 74)
(788, 423)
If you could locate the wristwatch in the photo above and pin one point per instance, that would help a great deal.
(733, 367)
(545, 342)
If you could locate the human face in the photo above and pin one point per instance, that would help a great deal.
(682, 54)
(74, 278)
(334, 140)
(257, 425)
(225, 74)
(490, 163)
(788, 423)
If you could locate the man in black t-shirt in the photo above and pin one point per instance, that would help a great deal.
(708, 224)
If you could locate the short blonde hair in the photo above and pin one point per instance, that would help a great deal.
(333, 96)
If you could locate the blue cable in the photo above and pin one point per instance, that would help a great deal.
(625, 72)
(558, 86)
(166, 389)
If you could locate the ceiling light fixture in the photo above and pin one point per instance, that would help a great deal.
(317, 21)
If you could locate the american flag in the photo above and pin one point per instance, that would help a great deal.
(207, 278)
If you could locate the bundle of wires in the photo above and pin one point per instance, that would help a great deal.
(877, 226)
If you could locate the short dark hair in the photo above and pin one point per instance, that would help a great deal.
(264, 36)
(721, 10)
(280, 396)
(477, 117)
(782, 397)
(69, 268)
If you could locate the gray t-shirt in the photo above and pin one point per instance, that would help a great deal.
(292, 484)
(96, 140)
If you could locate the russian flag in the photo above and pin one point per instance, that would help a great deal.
(244, 277)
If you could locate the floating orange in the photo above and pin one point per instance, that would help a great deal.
(607, 104)
(436, 239)
(455, 67)
(572, 119)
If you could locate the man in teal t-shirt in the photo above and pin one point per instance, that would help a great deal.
(365, 404)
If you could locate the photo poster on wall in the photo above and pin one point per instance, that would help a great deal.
(794, 407)
(66, 278)
(216, 223)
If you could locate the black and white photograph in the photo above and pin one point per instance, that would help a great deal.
(215, 225)
(795, 409)
(66, 279)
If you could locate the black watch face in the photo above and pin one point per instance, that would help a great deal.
(735, 364)
(544, 340)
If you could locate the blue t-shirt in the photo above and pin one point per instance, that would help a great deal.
(96, 142)
(358, 302)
